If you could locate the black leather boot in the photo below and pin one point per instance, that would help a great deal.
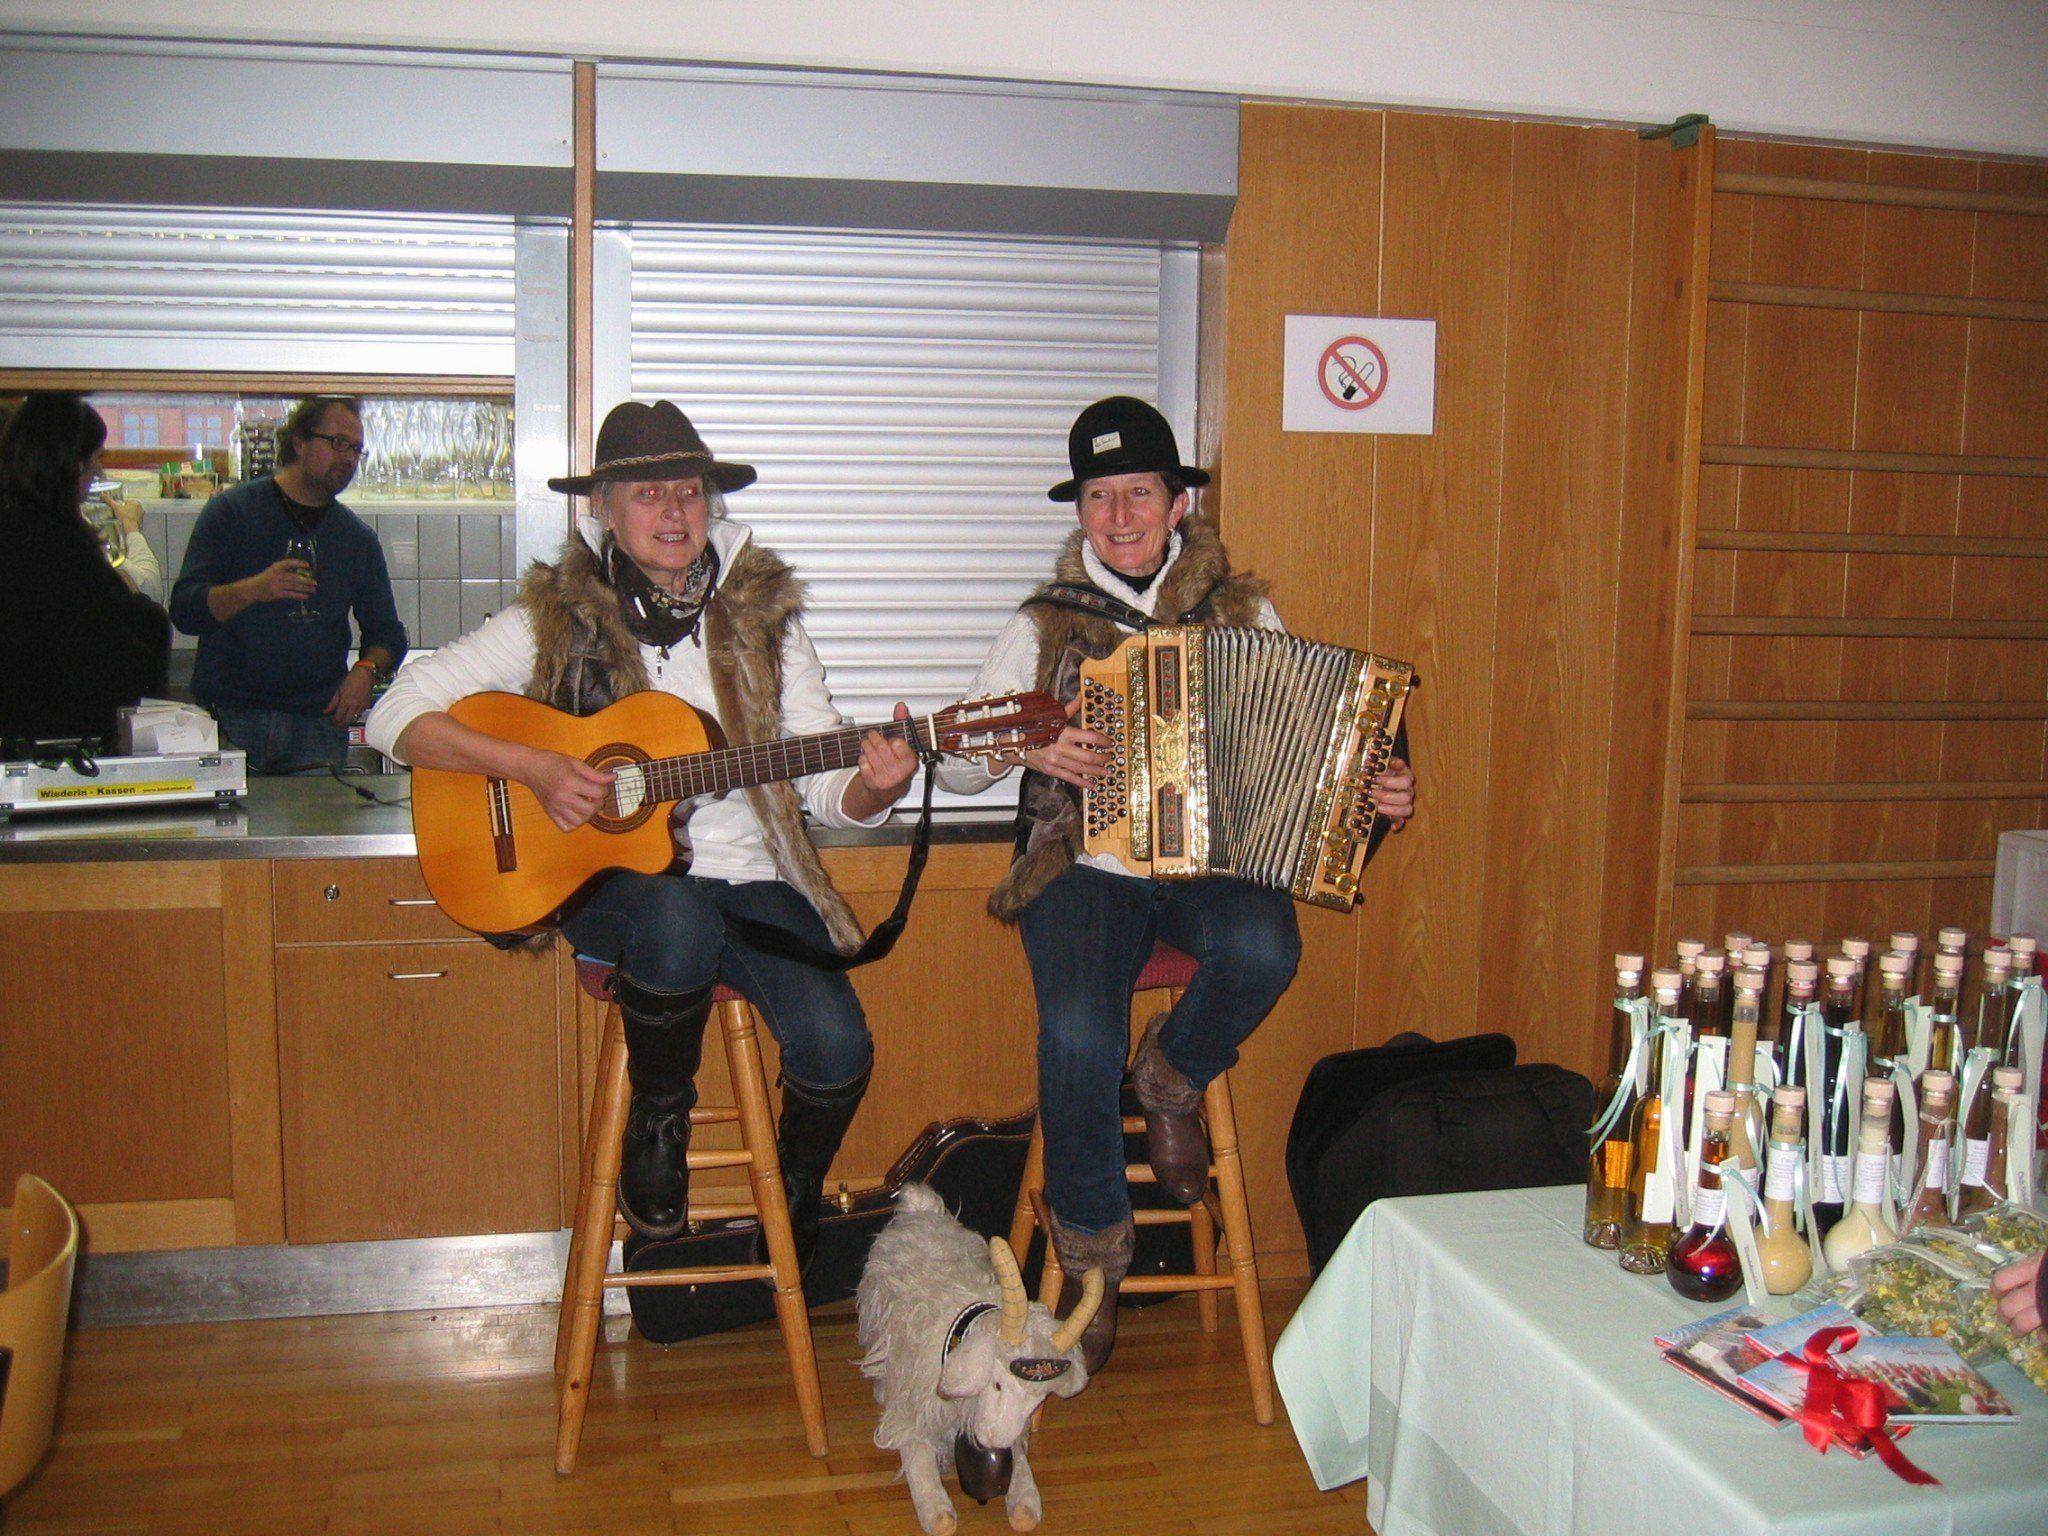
(1176, 1141)
(813, 1124)
(664, 1042)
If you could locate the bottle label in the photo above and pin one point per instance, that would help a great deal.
(1781, 1171)
(1870, 1177)
(1834, 1180)
(1708, 1206)
(1658, 1198)
(1977, 1162)
(1936, 1176)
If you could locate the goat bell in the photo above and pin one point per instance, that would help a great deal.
(984, 1474)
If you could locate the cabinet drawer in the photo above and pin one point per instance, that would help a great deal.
(419, 1090)
(343, 901)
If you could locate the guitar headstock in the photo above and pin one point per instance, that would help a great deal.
(1000, 730)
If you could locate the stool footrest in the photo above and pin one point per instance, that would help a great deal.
(1149, 1284)
(739, 1158)
(714, 1116)
(1165, 1217)
(1141, 1173)
(706, 1276)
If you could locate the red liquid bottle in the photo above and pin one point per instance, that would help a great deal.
(1702, 1265)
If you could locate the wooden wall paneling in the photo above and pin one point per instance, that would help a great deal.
(1909, 397)
(1568, 320)
(1799, 391)
(136, 1032)
(1435, 535)
(249, 1009)
(1656, 563)
(2007, 380)
(1299, 507)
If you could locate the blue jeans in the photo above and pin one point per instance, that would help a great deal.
(279, 742)
(1087, 936)
(667, 933)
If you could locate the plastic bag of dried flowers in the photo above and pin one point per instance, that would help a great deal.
(1936, 1283)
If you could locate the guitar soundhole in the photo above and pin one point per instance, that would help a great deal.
(624, 756)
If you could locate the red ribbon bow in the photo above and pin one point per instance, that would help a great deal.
(1846, 1410)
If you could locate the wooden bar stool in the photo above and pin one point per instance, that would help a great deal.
(598, 1223)
(1224, 1205)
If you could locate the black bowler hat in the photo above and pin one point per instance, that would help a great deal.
(1122, 436)
(652, 442)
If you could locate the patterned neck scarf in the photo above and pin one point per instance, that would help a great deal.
(654, 615)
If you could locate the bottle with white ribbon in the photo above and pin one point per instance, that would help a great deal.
(1749, 991)
(1937, 1123)
(1787, 1265)
(1867, 1223)
(1654, 1133)
(1802, 977)
(1612, 1155)
(1982, 1183)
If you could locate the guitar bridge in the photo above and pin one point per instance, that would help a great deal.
(501, 827)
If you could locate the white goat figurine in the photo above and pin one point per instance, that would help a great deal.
(961, 1358)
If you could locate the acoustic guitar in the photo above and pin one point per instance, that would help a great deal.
(495, 861)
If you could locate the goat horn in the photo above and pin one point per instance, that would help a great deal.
(1016, 1305)
(1069, 1332)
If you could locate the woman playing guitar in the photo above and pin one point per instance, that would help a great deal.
(657, 591)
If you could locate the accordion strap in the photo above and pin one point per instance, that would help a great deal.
(1078, 598)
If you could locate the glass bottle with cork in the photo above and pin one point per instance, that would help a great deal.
(1702, 1264)
(1612, 1156)
(1839, 1022)
(1749, 991)
(1787, 1262)
(1866, 1224)
(1802, 978)
(1646, 1228)
(1982, 1183)
(1937, 1123)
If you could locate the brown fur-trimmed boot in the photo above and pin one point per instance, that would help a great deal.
(1176, 1141)
(1110, 1251)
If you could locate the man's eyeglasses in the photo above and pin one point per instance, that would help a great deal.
(339, 443)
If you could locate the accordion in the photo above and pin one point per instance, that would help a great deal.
(1245, 752)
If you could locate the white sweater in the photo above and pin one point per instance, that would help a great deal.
(724, 836)
(1012, 667)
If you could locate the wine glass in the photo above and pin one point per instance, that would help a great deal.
(300, 546)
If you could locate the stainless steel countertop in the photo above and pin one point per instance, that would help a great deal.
(320, 818)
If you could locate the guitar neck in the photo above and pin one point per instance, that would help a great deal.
(766, 762)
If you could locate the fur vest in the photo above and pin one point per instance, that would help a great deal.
(586, 658)
(1049, 811)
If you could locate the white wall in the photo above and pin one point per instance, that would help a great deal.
(1960, 74)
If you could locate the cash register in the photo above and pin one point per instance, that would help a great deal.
(167, 754)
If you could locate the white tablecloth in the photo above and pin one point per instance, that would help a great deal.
(1494, 1376)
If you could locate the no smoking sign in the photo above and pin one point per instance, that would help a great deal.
(1358, 374)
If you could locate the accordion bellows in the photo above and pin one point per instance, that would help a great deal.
(1245, 752)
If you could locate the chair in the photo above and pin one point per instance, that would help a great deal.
(597, 1222)
(42, 1251)
(1225, 1205)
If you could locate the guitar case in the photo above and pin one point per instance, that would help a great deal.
(974, 1165)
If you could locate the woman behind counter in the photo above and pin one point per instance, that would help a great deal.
(76, 641)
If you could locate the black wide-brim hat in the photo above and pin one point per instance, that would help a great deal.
(652, 442)
(1122, 436)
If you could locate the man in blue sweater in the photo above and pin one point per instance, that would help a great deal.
(273, 629)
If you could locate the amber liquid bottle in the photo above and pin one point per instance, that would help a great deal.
(1983, 1182)
(1787, 1263)
(1702, 1265)
(1944, 1030)
(1937, 1125)
(1689, 952)
(1858, 950)
(1613, 1155)
(1908, 944)
(1646, 1227)
(1888, 1043)
(1749, 991)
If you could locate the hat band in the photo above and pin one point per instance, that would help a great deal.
(653, 458)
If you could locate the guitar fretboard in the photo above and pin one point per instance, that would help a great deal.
(663, 779)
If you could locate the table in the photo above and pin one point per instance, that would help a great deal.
(1494, 1376)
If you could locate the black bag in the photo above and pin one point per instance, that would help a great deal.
(1424, 1117)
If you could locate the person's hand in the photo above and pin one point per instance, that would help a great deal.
(2017, 1287)
(887, 764)
(1080, 756)
(569, 789)
(1393, 793)
(352, 697)
(286, 580)
(127, 513)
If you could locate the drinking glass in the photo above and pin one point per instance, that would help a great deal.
(300, 546)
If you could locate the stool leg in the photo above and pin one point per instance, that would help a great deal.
(590, 1245)
(757, 1130)
(1202, 1238)
(1237, 1232)
(1021, 1220)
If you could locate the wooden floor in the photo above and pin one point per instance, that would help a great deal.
(444, 1423)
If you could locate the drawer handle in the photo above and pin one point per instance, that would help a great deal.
(415, 975)
(412, 901)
